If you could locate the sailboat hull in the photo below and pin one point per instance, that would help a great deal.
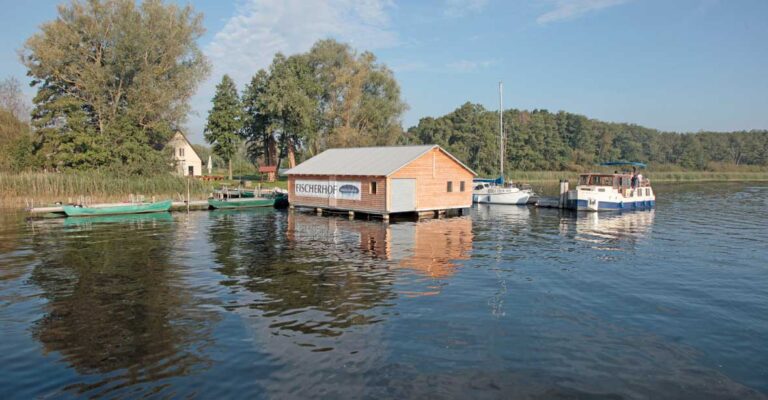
(518, 197)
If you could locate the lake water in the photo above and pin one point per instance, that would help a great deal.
(511, 302)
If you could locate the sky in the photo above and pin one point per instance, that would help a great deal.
(681, 65)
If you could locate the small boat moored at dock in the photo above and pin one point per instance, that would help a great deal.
(628, 190)
(116, 209)
(494, 191)
(247, 202)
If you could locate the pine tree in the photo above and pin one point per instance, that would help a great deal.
(225, 121)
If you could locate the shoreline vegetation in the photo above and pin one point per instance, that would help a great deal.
(18, 190)
(39, 188)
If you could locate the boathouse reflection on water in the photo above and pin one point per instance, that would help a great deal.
(326, 272)
(429, 247)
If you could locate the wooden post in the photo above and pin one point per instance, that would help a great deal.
(562, 201)
(385, 217)
(188, 195)
(351, 215)
(319, 211)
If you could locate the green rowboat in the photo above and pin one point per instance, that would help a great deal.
(242, 202)
(117, 209)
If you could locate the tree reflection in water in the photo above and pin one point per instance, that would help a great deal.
(117, 307)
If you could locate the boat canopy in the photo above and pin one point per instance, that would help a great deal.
(623, 163)
(497, 181)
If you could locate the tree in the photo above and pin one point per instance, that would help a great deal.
(225, 121)
(114, 79)
(360, 101)
(15, 140)
(328, 97)
(12, 99)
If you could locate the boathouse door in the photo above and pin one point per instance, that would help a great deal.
(403, 195)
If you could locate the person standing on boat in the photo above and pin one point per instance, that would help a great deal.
(633, 182)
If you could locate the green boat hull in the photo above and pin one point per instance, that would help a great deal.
(119, 219)
(138, 208)
(241, 203)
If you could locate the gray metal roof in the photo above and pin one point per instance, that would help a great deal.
(376, 161)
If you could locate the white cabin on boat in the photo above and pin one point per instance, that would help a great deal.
(618, 191)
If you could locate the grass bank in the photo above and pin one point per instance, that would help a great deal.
(654, 176)
(17, 190)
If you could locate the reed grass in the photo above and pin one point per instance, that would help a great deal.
(45, 188)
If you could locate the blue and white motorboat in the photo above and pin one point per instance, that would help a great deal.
(628, 190)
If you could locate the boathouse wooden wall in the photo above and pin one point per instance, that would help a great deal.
(370, 203)
(432, 172)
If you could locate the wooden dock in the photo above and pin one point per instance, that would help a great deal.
(548, 202)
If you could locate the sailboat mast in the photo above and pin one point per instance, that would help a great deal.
(501, 131)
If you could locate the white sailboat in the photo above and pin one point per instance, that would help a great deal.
(496, 191)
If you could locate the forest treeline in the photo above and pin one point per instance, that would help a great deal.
(542, 140)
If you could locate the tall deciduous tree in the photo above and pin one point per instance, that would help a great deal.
(114, 79)
(328, 97)
(225, 121)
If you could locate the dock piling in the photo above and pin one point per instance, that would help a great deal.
(563, 193)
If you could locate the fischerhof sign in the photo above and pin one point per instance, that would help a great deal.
(340, 190)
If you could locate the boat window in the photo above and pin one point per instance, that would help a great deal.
(584, 179)
(461, 186)
(601, 190)
(607, 181)
(479, 187)
(373, 188)
(647, 191)
(450, 187)
(595, 180)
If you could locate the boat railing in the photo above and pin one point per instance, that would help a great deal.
(498, 190)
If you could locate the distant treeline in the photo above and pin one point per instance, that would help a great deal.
(541, 140)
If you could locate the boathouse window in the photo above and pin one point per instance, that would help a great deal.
(373, 188)
(181, 152)
(461, 186)
(450, 186)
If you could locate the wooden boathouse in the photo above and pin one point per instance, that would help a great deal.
(382, 181)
